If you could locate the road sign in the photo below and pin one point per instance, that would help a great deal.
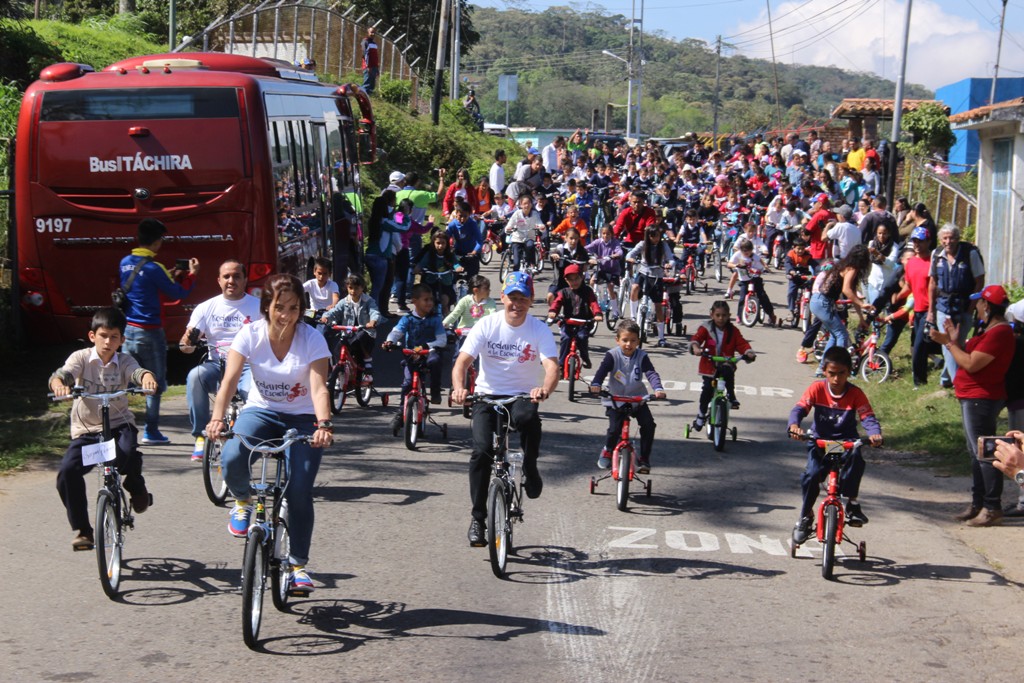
(508, 87)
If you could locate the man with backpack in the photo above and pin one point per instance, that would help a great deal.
(956, 272)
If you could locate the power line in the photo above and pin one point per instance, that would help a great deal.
(819, 34)
(758, 28)
(801, 26)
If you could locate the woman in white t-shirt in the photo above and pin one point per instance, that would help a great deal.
(289, 364)
(521, 228)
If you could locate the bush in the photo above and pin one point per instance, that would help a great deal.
(25, 53)
(395, 91)
(98, 47)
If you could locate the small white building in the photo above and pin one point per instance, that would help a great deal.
(1000, 229)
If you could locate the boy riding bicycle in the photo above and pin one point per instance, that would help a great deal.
(837, 405)
(718, 337)
(575, 301)
(100, 369)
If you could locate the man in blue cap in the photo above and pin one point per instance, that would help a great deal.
(517, 355)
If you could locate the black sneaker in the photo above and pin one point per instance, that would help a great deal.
(734, 404)
(803, 530)
(855, 516)
(476, 534)
(396, 424)
(587, 364)
(533, 484)
(643, 466)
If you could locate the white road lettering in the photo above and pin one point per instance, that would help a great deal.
(630, 539)
(693, 541)
(705, 542)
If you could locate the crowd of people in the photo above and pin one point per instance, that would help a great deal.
(613, 218)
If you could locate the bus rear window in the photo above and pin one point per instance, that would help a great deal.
(129, 104)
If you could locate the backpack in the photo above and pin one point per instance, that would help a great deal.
(119, 297)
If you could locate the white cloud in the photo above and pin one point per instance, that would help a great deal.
(944, 48)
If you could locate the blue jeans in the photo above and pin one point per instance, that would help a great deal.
(370, 79)
(965, 321)
(303, 462)
(980, 417)
(203, 380)
(377, 266)
(518, 250)
(825, 310)
(149, 348)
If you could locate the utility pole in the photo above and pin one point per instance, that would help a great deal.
(629, 74)
(714, 102)
(640, 81)
(775, 69)
(442, 35)
(897, 109)
(999, 51)
(456, 46)
(172, 21)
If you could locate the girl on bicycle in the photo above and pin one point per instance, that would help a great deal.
(289, 364)
(650, 256)
(718, 337)
(470, 308)
(607, 251)
(442, 264)
(843, 281)
(521, 229)
(747, 263)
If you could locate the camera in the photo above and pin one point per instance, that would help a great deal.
(181, 264)
(987, 446)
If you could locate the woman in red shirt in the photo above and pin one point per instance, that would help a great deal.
(462, 189)
(980, 385)
(916, 275)
(815, 228)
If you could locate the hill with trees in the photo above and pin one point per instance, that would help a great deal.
(563, 76)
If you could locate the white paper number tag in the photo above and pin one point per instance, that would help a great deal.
(97, 453)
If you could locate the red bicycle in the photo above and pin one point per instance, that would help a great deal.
(752, 313)
(415, 406)
(573, 364)
(492, 239)
(469, 381)
(348, 376)
(802, 315)
(624, 456)
(690, 268)
(831, 518)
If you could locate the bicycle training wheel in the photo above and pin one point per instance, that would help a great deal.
(108, 542)
(498, 535)
(828, 551)
(213, 474)
(573, 369)
(336, 388)
(364, 391)
(622, 490)
(280, 566)
(254, 582)
(751, 310)
(412, 425)
(875, 368)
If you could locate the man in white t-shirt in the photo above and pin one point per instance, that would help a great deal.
(844, 235)
(218, 319)
(496, 177)
(517, 355)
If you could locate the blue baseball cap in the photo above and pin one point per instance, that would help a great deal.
(520, 282)
(920, 233)
(531, 150)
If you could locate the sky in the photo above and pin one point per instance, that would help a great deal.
(949, 39)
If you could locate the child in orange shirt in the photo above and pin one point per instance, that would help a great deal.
(572, 220)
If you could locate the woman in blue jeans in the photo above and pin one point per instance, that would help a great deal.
(382, 243)
(842, 282)
(289, 365)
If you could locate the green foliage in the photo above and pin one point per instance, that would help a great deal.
(557, 91)
(394, 91)
(1015, 291)
(10, 101)
(98, 47)
(25, 53)
(929, 127)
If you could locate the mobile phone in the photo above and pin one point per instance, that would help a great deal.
(181, 264)
(987, 446)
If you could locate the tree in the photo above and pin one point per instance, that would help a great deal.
(928, 125)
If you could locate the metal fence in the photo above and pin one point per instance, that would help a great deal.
(295, 31)
(947, 201)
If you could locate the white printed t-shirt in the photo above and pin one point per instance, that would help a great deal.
(280, 385)
(220, 320)
(321, 297)
(510, 357)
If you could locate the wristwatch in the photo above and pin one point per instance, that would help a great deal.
(325, 424)
(1019, 478)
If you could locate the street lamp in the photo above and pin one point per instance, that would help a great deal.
(629, 95)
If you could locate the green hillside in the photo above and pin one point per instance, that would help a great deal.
(563, 76)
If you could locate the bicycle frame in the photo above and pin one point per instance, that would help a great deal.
(627, 407)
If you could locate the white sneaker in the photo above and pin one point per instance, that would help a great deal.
(605, 460)
(200, 448)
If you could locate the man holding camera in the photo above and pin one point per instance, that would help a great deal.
(145, 339)
(218, 320)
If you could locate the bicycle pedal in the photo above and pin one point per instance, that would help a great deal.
(295, 593)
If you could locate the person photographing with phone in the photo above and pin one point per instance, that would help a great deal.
(980, 386)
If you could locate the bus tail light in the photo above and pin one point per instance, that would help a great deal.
(258, 271)
(33, 286)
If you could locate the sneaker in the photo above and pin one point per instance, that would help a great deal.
(699, 422)
(729, 294)
(605, 460)
(153, 439)
(83, 541)
(238, 521)
(533, 484)
(587, 364)
(739, 320)
(199, 449)
(677, 329)
(396, 424)
(1013, 511)
(299, 582)
(141, 502)
(734, 404)
(772, 321)
(801, 356)
(643, 466)
(854, 515)
(476, 534)
(970, 512)
(662, 343)
(803, 530)
(987, 518)
(818, 374)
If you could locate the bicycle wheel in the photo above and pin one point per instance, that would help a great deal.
(819, 343)
(718, 266)
(254, 583)
(876, 367)
(622, 490)
(828, 550)
(336, 383)
(364, 392)
(688, 282)
(751, 310)
(486, 252)
(624, 298)
(609, 320)
(108, 542)
(506, 264)
(280, 566)
(573, 369)
(213, 475)
(412, 425)
(498, 533)
(721, 427)
(805, 316)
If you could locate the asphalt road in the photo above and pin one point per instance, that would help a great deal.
(693, 583)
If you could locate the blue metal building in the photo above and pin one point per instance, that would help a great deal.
(971, 93)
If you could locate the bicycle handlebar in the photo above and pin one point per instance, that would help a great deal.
(348, 328)
(628, 399)
(290, 437)
(825, 443)
(484, 398)
(80, 392)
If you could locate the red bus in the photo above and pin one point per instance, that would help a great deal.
(239, 157)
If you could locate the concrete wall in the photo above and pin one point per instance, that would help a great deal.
(1001, 244)
(971, 93)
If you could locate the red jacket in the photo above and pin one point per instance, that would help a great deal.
(629, 227)
(449, 198)
(732, 343)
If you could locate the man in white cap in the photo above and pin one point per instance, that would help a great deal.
(397, 179)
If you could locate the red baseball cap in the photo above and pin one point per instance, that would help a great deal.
(571, 269)
(994, 294)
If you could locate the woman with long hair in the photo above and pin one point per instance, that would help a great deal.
(842, 282)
